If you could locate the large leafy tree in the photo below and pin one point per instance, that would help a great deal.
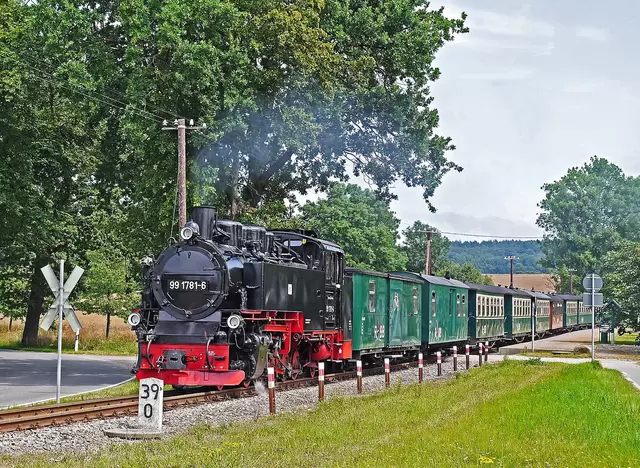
(361, 224)
(586, 213)
(622, 281)
(414, 247)
(49, 140)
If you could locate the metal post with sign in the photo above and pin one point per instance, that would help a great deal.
(592, 284)
(61, 308)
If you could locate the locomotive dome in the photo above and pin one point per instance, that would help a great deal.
(191, 278)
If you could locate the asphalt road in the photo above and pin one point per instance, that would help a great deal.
(28, 377)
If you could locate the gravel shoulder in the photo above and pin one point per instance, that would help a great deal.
(89, 437)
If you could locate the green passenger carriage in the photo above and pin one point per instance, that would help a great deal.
(486, 312)
(386, 312)
(570, 311)
(542, 312)
(584, 315)
(444, 310)
(518, 307)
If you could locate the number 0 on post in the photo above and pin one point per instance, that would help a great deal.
(150, 404)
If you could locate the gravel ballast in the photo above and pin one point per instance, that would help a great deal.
(89, 436)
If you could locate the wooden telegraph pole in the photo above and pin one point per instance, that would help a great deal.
(511, 258)
(182, 128)
(427, 253)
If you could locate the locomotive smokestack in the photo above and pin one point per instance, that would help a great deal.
(206, 217)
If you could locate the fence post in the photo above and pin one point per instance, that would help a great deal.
(480, 354)
(387, 371)
(359, 375)
(420, 366)
(466, 351)
(486, 351)
(439, 360)
(272, 390)
(455, 359)
(320, 381)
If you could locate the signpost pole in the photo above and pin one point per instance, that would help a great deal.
(60, 308)
(593, 317)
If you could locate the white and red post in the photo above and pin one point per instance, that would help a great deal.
(455, 359)
(486, 351)
(439, 361)
(387, 373)
(320, 381)
(359, 375)
(480, 354)
(466, 352)
(271, 383)
(420, 367)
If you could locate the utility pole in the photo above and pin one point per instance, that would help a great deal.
(571, 271)
(427, 253)
(182, 165)
(511, 258)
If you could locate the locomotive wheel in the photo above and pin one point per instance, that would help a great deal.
(296, 365)
(312, 372)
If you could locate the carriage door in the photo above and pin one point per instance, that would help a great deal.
(333, 283)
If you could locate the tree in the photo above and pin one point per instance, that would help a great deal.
(586, 213)
(622, 281)
(363, 225)
(108, 289)
(414, 247)
(49, 139)
(562, 281)
(467, 273)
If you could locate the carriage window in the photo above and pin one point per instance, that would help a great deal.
(464, 310)
(372, 296)
(458, 305)
(415, 301)
(433, 303)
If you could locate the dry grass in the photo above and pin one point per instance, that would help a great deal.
(539, 282)
(92, 336)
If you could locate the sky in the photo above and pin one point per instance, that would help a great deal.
(533, 89)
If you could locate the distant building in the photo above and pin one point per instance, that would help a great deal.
(540, 282)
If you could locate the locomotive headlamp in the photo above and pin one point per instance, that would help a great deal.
(134, 319)
(189, 230)
(234, 321)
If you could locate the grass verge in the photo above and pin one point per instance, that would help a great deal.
(121, 342)
(517, 413)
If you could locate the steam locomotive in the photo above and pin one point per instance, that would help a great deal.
(228, 300)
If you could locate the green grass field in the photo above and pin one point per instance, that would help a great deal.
(516, 414)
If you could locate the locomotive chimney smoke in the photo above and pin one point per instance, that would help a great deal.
(205, 217)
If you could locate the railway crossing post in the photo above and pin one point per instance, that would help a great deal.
(272, 390)
(439, 360)
(455, 359)
(466, 352)
(480, 354)
(420, 366)
(387, 371)
(359, 375)
(320, 381)
(486, 351)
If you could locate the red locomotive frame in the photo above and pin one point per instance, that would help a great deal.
(300, 350)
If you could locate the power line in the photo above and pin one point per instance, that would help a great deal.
(489, 236)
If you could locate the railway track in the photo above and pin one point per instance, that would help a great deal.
(37, 417)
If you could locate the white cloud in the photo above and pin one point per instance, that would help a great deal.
(500, 23)
(480, 43)
(595, 34)
(499, 75)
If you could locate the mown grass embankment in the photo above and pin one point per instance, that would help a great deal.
(512, 414)
(121, 341)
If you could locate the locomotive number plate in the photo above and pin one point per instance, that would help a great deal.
(186, 285)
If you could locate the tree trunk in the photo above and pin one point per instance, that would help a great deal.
(34, 303)
(108, 322)
(10, 322)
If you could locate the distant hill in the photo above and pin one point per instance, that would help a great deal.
(488, 256)
(539, 281)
